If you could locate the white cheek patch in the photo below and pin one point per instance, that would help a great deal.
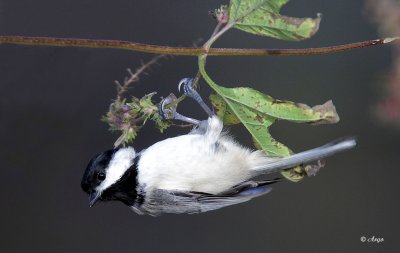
(122, 160)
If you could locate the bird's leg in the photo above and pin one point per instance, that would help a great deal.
(189, 91)
(171, 113)
(212, 128)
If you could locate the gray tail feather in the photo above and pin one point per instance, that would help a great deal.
(307, 156)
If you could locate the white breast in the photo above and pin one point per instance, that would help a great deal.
(189, 163)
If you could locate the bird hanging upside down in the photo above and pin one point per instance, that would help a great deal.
(197, 172)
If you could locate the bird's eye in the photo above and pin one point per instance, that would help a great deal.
(101, 176)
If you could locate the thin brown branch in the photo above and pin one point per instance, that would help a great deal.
(184, 51)
(134, 77)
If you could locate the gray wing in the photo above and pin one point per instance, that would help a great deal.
(162, 201)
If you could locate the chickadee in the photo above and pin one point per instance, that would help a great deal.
(197, 172)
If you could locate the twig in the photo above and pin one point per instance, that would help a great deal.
(134, 77)
(184, 51)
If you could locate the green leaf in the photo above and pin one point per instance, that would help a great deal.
(150, 111)
(255, 122)
(262, 17)
(257, 112)
(223, 111)
(278, 109)
(295, 174)
(161, 124)
(147, 108)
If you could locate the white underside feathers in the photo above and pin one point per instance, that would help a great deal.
(197, 162)
(212, 163)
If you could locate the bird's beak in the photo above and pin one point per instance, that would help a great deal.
(93, 197)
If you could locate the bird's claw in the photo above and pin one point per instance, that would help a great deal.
(188, 89)
(166, 112)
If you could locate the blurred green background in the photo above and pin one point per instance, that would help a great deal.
(52, 99)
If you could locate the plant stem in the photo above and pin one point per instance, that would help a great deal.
(184, 51)
(217, 28)
(215, 36)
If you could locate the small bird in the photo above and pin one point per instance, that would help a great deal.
(201, 171)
